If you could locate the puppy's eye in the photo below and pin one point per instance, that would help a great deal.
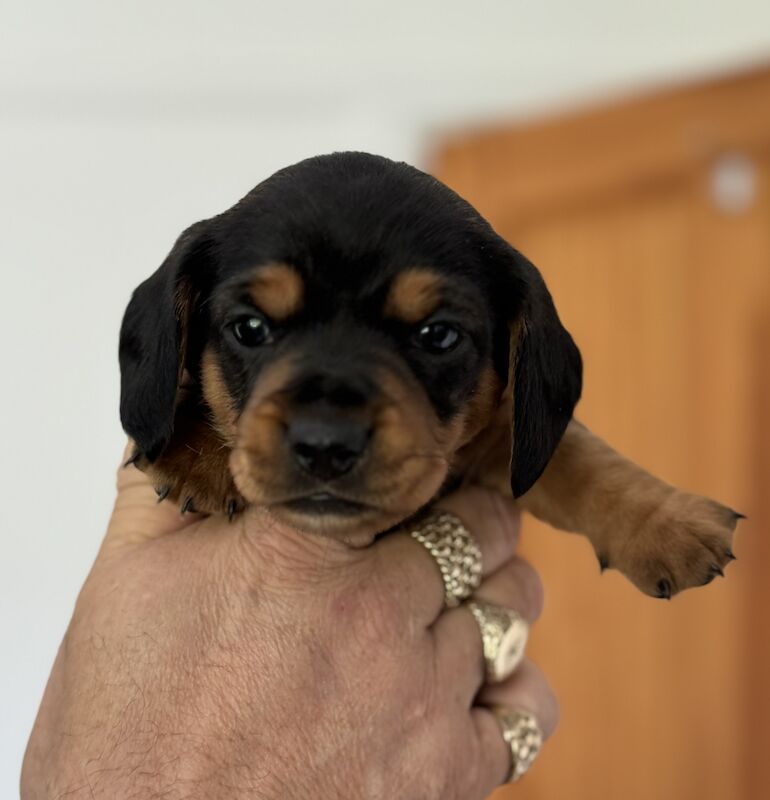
(438, 337)
(251, 331)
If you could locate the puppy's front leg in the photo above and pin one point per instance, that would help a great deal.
(663, 539)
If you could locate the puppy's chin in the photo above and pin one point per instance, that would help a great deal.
(356, 526)
(354, 522)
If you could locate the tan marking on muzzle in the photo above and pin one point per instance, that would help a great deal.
(412, 448)
(259, 455)
(404, 466)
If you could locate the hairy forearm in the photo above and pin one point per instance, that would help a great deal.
(111, 740)
(113, 763)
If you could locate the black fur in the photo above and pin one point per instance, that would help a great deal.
(153, 340)
(349, 223)
(547, 381)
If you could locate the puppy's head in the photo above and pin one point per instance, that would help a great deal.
(344, 330)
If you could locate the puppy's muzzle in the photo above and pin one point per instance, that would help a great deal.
(328, 426)
(326, 445)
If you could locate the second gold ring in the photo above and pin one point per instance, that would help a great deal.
(504, 635)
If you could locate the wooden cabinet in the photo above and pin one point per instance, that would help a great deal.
(650, 220)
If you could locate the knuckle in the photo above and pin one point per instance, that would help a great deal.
(507, 519)
(424, 707)
(531, 590)
(377, 615)
(488, 754)
(516, 586)
(551, 712)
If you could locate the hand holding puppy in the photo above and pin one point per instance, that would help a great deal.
(247, 660)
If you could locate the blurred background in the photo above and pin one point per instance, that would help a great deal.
(625, 148)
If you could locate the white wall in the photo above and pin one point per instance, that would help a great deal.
(122, 123)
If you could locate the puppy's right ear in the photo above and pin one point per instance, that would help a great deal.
(153, 342)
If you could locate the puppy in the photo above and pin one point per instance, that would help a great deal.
(352, 339)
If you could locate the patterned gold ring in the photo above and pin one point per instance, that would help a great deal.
(455, 552)
(522, 734)
(504, 636)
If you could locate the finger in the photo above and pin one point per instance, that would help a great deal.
(527, 690)
(458, 642)
(137, 515)
(494, 755)
(492, 520)
(516, 586)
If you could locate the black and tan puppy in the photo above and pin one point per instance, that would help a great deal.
(352, 338)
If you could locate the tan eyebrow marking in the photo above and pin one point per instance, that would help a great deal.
(414, 295)
(278, 290)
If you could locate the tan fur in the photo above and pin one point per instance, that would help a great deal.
(407, 459)
(636, 522)
(414, 295)
(193, 468)
(482, 407)
(224, 417)
(278, 291)
(258, 456)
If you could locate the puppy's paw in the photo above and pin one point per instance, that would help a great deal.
(679, 542)
(196, 476)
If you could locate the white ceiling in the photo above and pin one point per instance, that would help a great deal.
(422, 63)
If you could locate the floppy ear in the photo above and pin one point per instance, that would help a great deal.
(546, 376)
(153, 343)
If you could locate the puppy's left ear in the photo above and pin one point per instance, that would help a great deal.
(153, 342)
(546, 375)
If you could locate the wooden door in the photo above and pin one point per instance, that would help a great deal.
(651, 223)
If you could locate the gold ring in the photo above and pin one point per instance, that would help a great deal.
(522, 734)
(504, 636)
(455, 552)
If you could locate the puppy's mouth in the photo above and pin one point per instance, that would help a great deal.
(329, 514)
(322, 503)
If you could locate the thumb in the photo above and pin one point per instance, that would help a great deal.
(137, 515)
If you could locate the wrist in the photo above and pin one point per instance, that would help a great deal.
(152, 765)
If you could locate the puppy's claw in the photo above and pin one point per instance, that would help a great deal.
(737, 515)
(133, 458)
(714, 570)
(603, 563)
(664, 589)
(188, 506)
(729, 554)
(232, 507)
(162, 492)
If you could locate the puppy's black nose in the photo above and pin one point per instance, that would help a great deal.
(327, 448)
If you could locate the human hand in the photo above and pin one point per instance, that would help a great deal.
(246, 660)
